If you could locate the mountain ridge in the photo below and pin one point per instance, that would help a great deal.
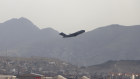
(112, 42)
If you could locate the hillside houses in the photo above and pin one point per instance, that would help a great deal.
(44, 66)
(55, 69)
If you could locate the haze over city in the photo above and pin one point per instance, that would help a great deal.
(69, 39)
(72, 15)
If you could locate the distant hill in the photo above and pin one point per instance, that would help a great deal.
(20, 37)
(124, 66)
(114, 42)
(21, 33)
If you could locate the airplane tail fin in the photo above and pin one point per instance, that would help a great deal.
(63, 34)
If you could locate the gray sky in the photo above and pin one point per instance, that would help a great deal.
(72, 15)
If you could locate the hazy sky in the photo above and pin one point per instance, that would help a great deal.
(72, 15)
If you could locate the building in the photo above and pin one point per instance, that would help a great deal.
(59, 77)
(84, 77)
(48, 77)
(7, 77)
(31, 76)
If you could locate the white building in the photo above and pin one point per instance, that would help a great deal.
(7, 77)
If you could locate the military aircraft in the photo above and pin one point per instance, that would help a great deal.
(73, 34)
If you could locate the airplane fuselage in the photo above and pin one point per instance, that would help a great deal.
(73, 34)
